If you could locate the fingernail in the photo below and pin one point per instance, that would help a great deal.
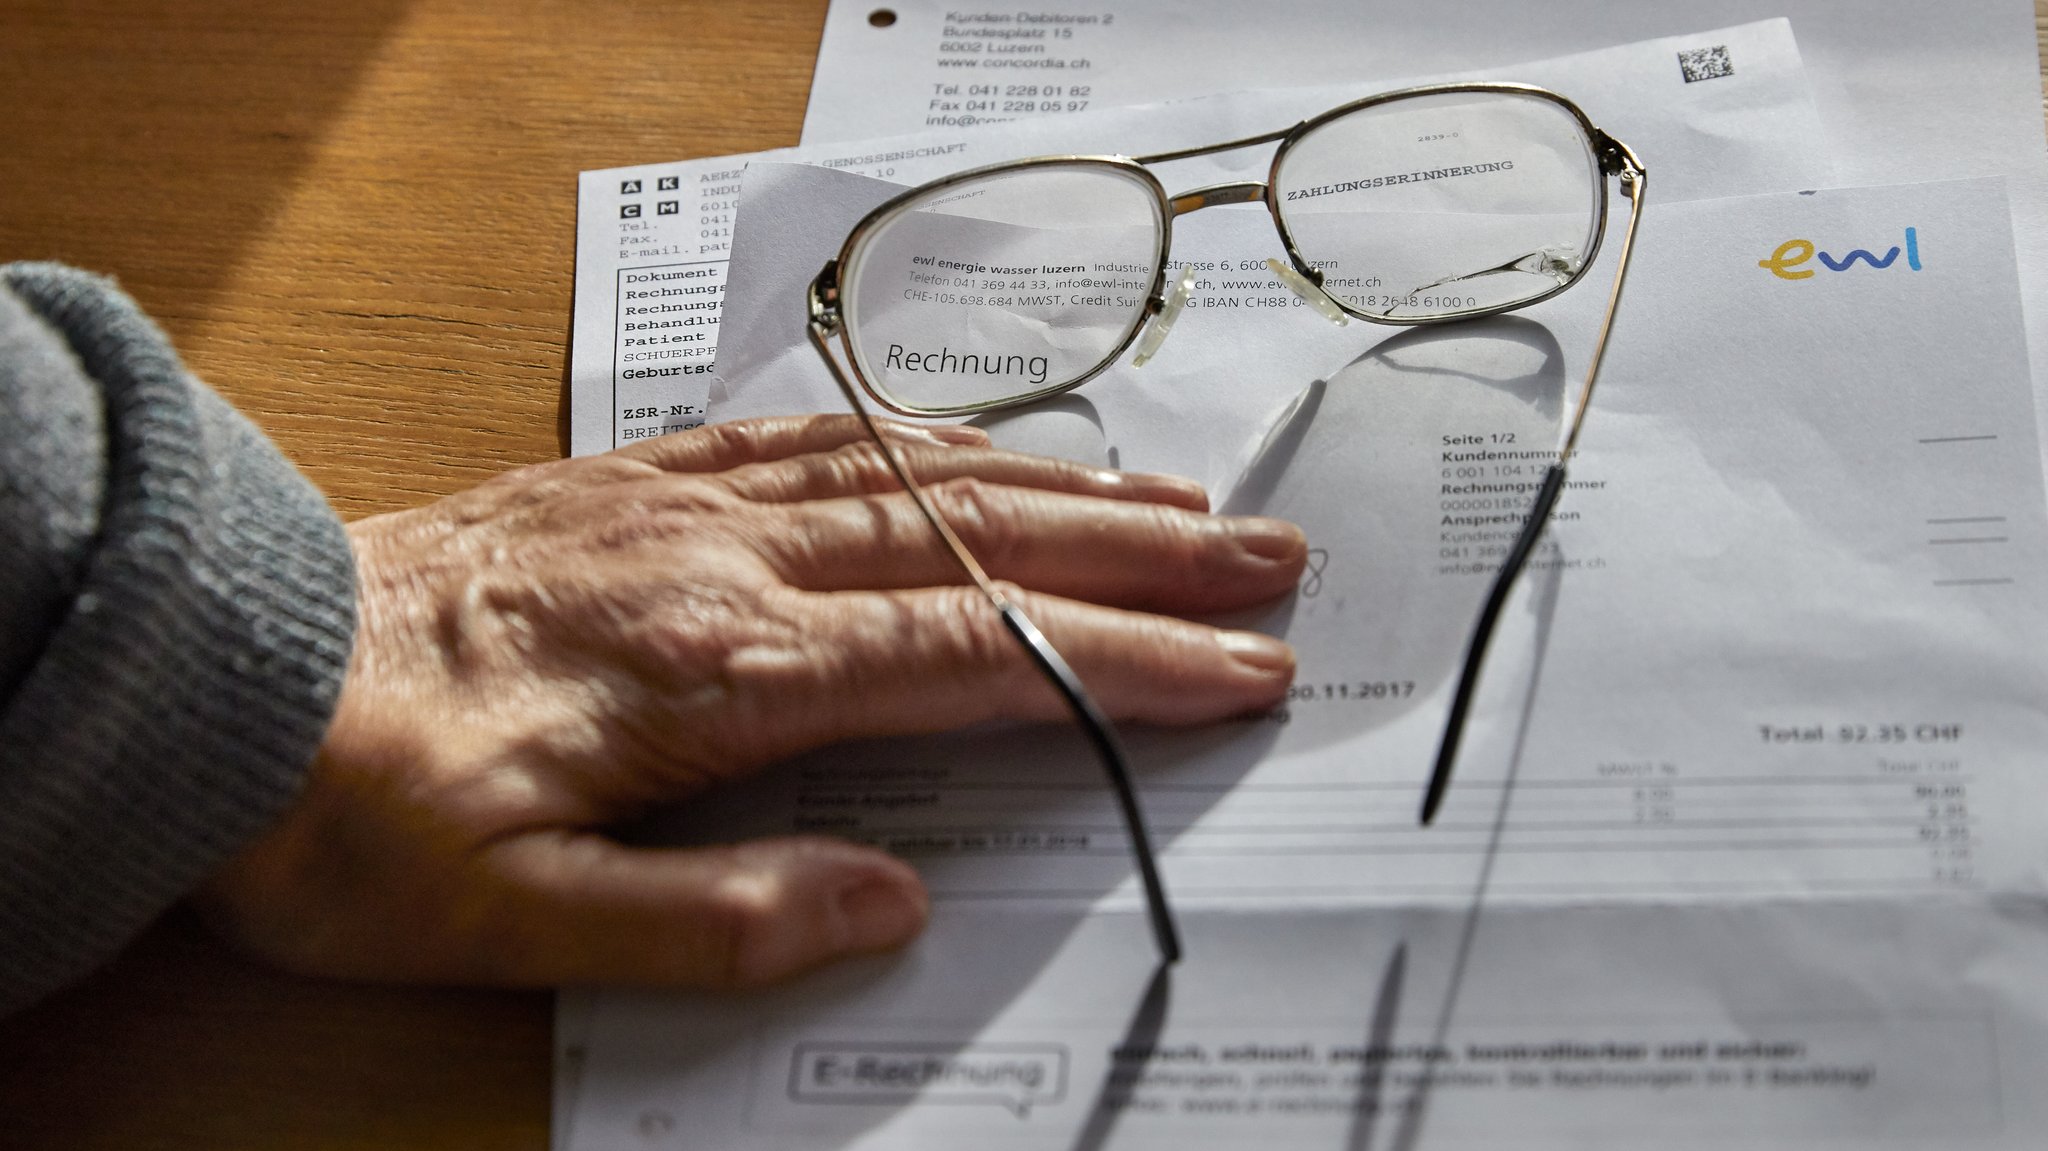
(1255, 650)
(1159, 487)
(1269, 539)
(957, 433)
(881, 915)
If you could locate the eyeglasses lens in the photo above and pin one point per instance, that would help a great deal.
(1437, 206)
(1001, 286)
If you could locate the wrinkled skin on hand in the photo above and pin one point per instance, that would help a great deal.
(570, 644)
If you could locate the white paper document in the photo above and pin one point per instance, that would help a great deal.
(1246, 341)
(657, 237)
(1762, 1026)
(1746, 846)
(1907, 90)
(653, 240)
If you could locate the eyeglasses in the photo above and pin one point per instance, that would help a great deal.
(1006, 284)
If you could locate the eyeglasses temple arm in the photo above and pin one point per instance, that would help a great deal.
(1634, 185)
(1482, 635)
(1101, 734)
(1634, 181)
(817, 331)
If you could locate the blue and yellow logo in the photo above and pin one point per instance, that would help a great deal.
(1784, 263)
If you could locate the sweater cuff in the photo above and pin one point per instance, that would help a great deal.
(174, 709)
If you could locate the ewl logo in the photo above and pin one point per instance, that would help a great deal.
(1784, 263)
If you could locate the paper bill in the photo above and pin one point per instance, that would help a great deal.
(653, 240)
(1745, 848)
(1908, 91)
(1775, 1027)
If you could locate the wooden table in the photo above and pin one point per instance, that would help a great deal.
(356, 220)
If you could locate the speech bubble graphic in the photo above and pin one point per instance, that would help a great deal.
(1015, 1076)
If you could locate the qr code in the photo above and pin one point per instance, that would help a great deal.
(1706, 63)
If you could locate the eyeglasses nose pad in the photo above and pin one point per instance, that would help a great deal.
(1311, 292)
(1162, 324)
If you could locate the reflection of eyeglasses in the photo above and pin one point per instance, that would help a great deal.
(1010, 283)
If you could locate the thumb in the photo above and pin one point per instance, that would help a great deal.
(588, 909)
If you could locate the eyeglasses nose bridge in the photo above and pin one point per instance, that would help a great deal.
(1214, 194)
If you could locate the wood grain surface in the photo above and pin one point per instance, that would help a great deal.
(357, 221)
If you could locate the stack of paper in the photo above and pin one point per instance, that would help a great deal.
(1747, 843)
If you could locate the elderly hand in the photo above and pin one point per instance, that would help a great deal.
(569, 644)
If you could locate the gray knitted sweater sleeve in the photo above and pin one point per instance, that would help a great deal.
(176, 609)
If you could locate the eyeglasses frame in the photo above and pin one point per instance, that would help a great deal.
(826, 290)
